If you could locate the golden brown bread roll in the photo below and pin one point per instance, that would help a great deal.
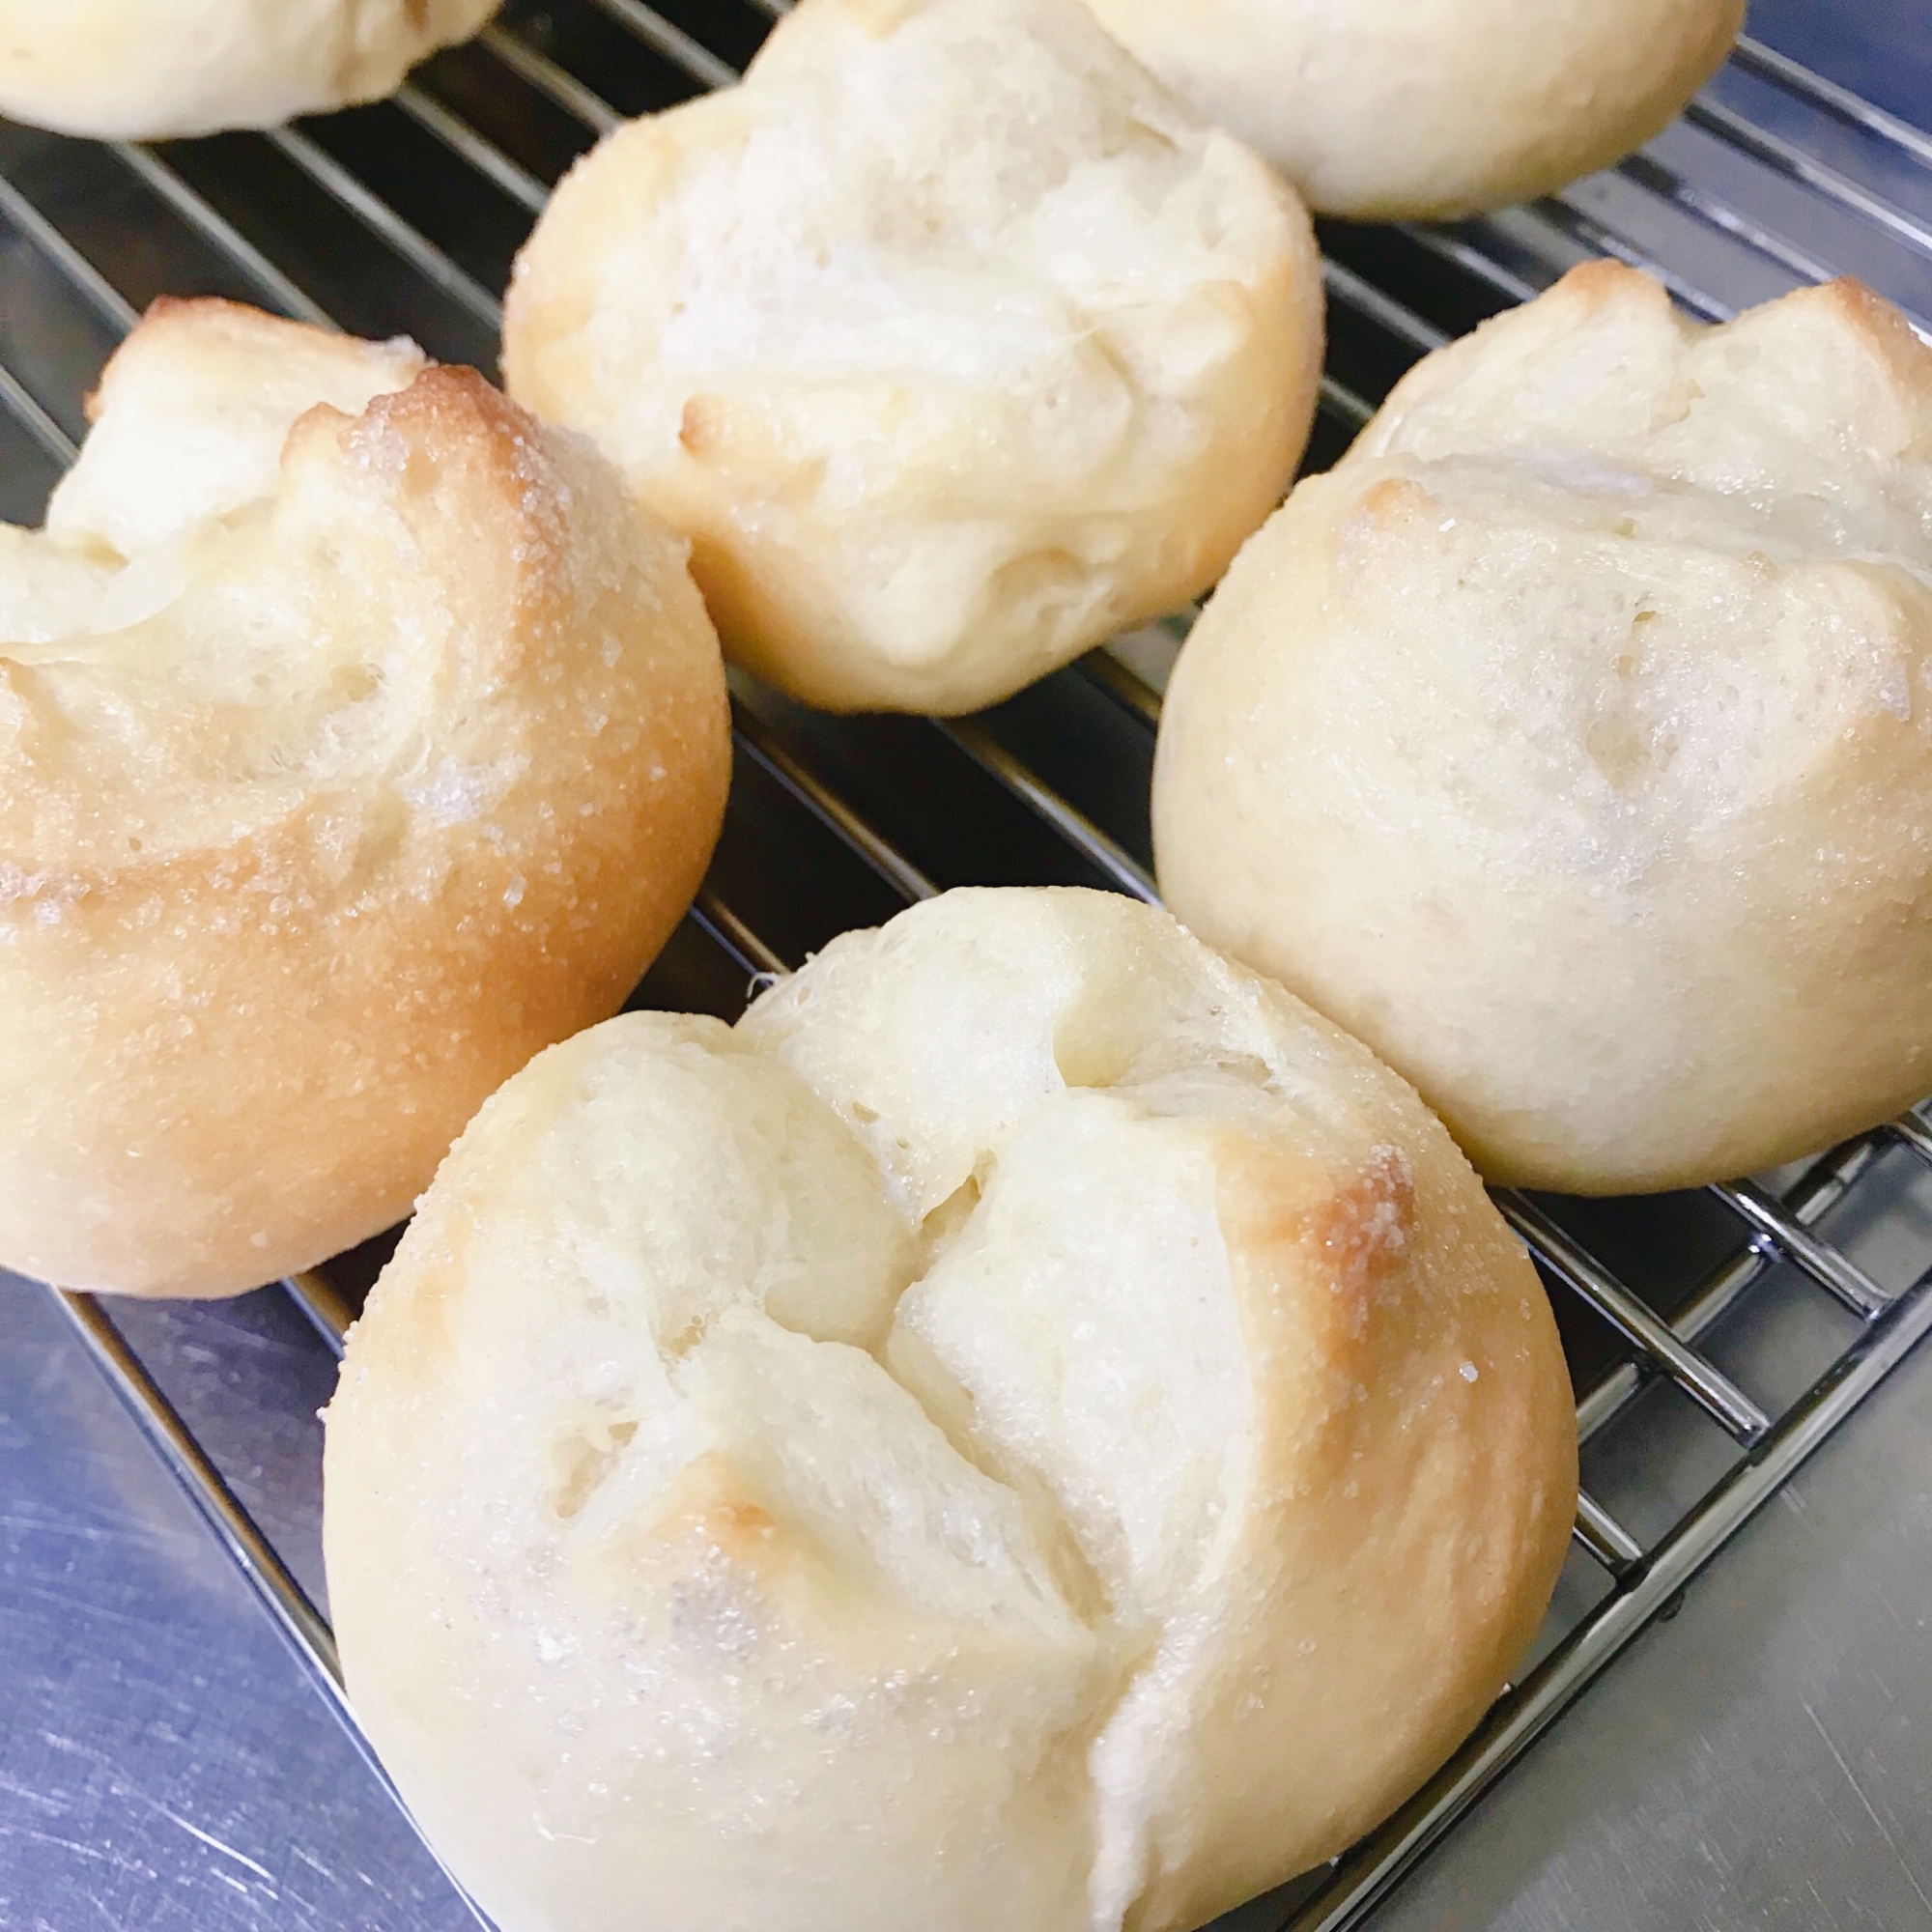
(1032, 1429)
(950, 338)
(1571, 742)
(150, 70)
(356, 741)
(1386, 110)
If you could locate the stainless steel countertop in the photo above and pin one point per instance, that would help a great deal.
(1764, 1758)
(164, 1762)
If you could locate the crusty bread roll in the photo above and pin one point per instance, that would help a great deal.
(1401, 109)
(348, 754)
(1571, 742)
(950, 338)
(149, 70)
(1034, 1429)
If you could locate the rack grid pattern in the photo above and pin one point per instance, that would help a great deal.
(404, 215)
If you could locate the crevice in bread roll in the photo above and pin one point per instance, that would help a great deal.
(361, 739)
(918, 1368)
(846, 1431)
(952, 341)
(1609, 641)
(588, 1456)
(944, 1225)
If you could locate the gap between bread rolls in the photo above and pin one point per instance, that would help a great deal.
(158, 70)
(357, 740)
(1571, 741)
(1034, 1428)
(952, 339)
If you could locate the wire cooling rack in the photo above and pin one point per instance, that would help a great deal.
(404, 216)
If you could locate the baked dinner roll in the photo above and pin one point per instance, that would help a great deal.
(1571, 742)
(1032, 1429)
(1391, 109)
(148, 70)
(357, 740)
(950, 337)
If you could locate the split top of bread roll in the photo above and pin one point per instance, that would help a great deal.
(1410, 110)
(357, 740)
(1032, 1429)
(950, 338)
(1572, 741)
(152, 69)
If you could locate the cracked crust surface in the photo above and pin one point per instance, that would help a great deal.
(1571, 742)
(952, 340)
(356, 742)
(1031, 1428)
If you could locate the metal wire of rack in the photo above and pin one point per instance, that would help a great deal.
(404, 215)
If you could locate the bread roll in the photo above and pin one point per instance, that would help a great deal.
(1032, 1429)
(356, 741)
(954, 342)
(1571, 742)
(1407, 109)
(150, 70)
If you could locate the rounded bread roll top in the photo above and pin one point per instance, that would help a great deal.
(153, 69)
(1384, 110)
(950, 338)
(1033, 1427)
(1571, 742)
(357, 740)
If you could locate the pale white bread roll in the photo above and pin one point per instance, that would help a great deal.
(1032, 1429)
(1571, 742)
(1386, 110)
(357, 740)
(950, 338)
(150, 70)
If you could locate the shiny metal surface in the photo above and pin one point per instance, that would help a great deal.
(167, 1751)
(164, 1762)
(1764, 1758)
(1645, 1589)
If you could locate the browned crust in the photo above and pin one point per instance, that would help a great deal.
(1361, 1273)
(225, 1064)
